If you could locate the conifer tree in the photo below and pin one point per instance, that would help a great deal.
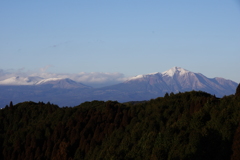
(11, 104)
(166, 95)
(238, 90)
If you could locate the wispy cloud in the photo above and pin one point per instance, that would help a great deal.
(4, 74)
(95, 79)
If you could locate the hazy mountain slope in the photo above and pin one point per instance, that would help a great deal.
(62, 83)
(44, 93)
(64, 92)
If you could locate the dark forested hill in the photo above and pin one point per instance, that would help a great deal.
(190, 125)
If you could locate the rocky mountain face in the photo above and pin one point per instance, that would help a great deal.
(66, 92)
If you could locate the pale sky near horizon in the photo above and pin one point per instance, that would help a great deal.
(127, 36)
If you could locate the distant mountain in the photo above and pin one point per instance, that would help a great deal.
(21, 80)
(53, 82)
(61, 91)
(66, 92)
(65, 83)
(176, 79)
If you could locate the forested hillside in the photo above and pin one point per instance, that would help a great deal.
(191, 125)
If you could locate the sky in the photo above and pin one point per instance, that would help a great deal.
(107, 41)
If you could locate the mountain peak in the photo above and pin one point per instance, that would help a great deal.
(171, 72)
(142, 76)
(62, 83)
(48, 80)
(175, 70)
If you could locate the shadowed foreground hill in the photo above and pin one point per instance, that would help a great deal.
(191, 125)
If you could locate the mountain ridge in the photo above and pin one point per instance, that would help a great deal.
(65, 92)
(173, 80)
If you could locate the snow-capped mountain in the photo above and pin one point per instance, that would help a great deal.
(21, 80)
(49, 81)
(54, 82)
(175, 80)
(175, 71)
(61, 83)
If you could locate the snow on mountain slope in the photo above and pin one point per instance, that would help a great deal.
(175, 70)
(62, 83)
(55, 82)
(170, 73)
(49, 80)
(20, 81)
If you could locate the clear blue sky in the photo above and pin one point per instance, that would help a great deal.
(126, 36)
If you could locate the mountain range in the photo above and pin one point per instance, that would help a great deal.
(66, 92)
